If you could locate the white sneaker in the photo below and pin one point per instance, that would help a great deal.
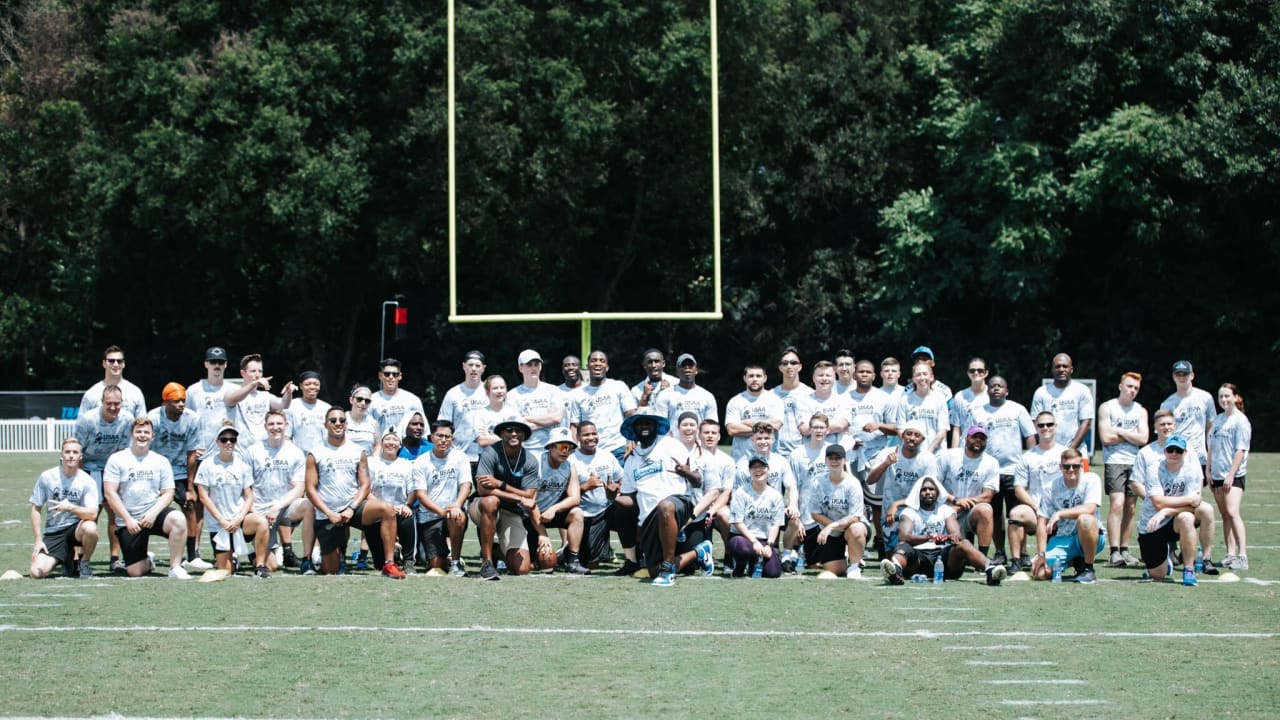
(853, 573)
(197, 563)
(177, 573)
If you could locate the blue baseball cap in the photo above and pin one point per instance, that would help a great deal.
(1176, 441)
(923, 350)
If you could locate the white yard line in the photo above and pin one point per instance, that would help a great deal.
(1011, 663)
(984, 648)
(1054, 702)
(1064, 681)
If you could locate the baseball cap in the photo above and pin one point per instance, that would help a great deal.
(215, 353)
(757, 460)
(173, 391)
(1182, 366)
(977, 430)
(473, 355)
(922, 350)
(528, 355)
(836, 450)
(1175, 441)
(686, 357)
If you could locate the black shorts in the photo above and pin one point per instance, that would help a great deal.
(433, 536)
(830, 551)
(180, 492)
(650, 544)
(1118, 478)
(133, 548)
(921, 560)
(60, 544)
(1236, 482)
(595, 540)
(1155, 546)
(331, 537)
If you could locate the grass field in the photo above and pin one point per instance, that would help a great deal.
(557, 646)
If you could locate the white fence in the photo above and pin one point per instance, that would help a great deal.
(34, 435)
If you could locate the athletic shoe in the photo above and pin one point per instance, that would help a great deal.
(996, 573)
(1189, 577)
(854, 572)
(117, 566)
(457, 569)
(489, 572)
(705, 558)
(1088, 577)
(86, 570)
(628, 568)
(999, 558)
(197, 563)
(576, 568)
(362, 561)
(1242, 562)
(1130, 560)
(1229, 562)
(261, 572)
(666, 576)
(307, 567)
(1210, 568)
(1117, 559)
(177, 573)
(789, 562)
(892, 573)
(392, 570)
(727, 566)
(289, 560)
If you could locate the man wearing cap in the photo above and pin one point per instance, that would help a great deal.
(138, 486)
(206, 398)
(652, 392)
(442, 483)
(1122, 431)
(604, 402)
(1010, 433)
(1068, 530)
(1070, 402)
(1037, 471)
(752, 405)
(838, 518)
(556, 504)
(836, 407)
(1193, 410)
(538, 402)
(113, 376)
(1145, 471)
(306, 417)
(688, 396)
(925, 404)
(279, 487)
(392, 403)
(924, 354)
(656, 478)
(248, 404)
(895, 470)
(177, 438)
(68, 497)
(963, 402)
(1168, 511)
(102, 433)
(972, 477)
(507, 481)
(929, 530)
(462, 402)
(225, 484)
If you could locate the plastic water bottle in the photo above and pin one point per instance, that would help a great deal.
(1057, 570)
(938, 575)
(758, 569)
(1199, 565)
(800, 561)
(919, 579)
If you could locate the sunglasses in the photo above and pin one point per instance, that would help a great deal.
(362, 401)
(1072, 466)
(1175, 451)
(217, 363)
(790, 362)
(391, 374)
(1046, 425)
(227, 440)
(563, 446)
(115, 361)
(977, 371)
(337, 421)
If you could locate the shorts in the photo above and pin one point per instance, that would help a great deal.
(1065, 548)
(512, 534)
(433, 538)
(59, 544)
(1118, 479)
(180, 492)
(213, 543)
(650, 544)
(921, 560)
(833, 550)
(133, 548)
(595, 540)
(967, 530)
(1237, 482)
(1155, 546)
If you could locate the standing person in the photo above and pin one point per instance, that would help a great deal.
(207, 399)
(975, 394)
(1228, 463)
(248, 404)
(338, 488)
(599, 478)
(604, 402)
(688, 396)
(1067, 530)
(838, 515)
(392, 402)
(1039, 468)
(1168, 511)
(463, 402)
(538, 403)
(571, 371)
(1192, 409)
(757, 512)
(306, 417)
(749, 407)
(925, 404)
(1070, 403)
(102, 433)
(837, 407)
(113, 376)
(442, 482)
(890, 373)
(1122, 431)
(279, 485)
(225, 484)
(362, 429)
(652, 392)
(792, 392)
(68, 498)
(556, 505)
(1010, 432)
(138, 486)
(178, 440)
(924, 354)
(844, 371)
(391, 481)
(492, 414)
(871, 424)
(506, 483)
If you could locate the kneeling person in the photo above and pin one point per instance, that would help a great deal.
(928, 530)
(442, 482)
(757, 512)
(1169, 511)
(557, 503)
(69, 497)
(225, 486)
(391, 481)
(838, 514)
(138, 486)
(1068, 529)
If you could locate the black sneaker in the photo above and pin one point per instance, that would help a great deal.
(261, 572)
(489, 572)
(86, 570)
(628, 567)
(788, 566)
(999, 558)
(575, 567)
(290, 560)
(892, 573)
(117, 566)
(1210, 567)
(995, 573)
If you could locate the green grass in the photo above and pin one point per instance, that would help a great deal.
(364, 646)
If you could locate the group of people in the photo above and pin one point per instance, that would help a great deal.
(823, 476)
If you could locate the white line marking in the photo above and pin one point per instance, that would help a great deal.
(483, 629)
(1011, 663)
(54, 595)
(1054, 702)
(987, 647)
(1256, 581)
(12, 522)
(30, 604)
(935, 621)
(936, 609)
(1065, 681)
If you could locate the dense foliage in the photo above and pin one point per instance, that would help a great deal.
(1002, 177)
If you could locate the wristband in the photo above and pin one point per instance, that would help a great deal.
(503, 486)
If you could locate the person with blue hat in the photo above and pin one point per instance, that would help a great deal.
(1169, 511)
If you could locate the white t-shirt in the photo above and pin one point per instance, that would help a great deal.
(387, 410)
(606, 405)
(651, 474)
(1007, 426)
(225, 483)
(961, 403)
(1038, 470)
(835, 407)
(1122, 418)
(605, 466)
(139, 480)
(337, 474)
(441, 478)
(1192, 414)
(743, 408)
(928, 522)
(1230, 435)
(210, 406)
(1161, 482)
(100, 440)
(873, 406)
(899, 478)
(130, 396)
(760, 512)
(836, 501)
(53, 487)
(1071, 406)
(528, 402)
(391, 481)
(966, 477)
(789, 437)
(930, 410)
(175, 438)
(460, 407)
(697, 400)
(250, 416)
(276, 471)
(1060, 497)
(809, 466)
(306, 423)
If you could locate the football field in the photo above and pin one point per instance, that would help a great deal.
(560, 646)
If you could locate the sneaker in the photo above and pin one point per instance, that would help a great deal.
(999, 558)
(1117, 559)
(1242, 562)
(1210, 567)
(727, 566)
(86, 570)
(1229, 562)
(362, 562)
(1130, 560)
(576, 568)
(501, 565)
(436, 572)
(854, 572)
(178, 573)
(392, 570)
(996, 573)
(117, 566)
(705, 558)
(261, 572)
(289, 560)
(488, 572)
(197, 563)
(641, 574)
(1189, 577)
(307, 567)
(628, 567)
(666, 576)
(892, 573)
(790, 561)
(1087, 577)
(457, 569)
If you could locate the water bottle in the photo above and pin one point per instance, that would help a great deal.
(938, 575)
(800, 561)
(1057, 570)
(758, 570)
(1199, 565)
(919, 579)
